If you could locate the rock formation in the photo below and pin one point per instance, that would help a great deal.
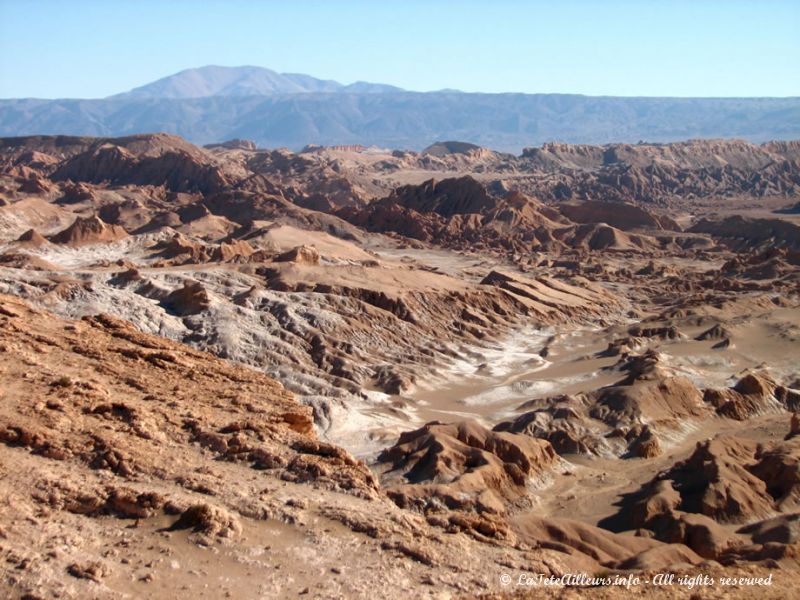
(91, 230)
(446, 365)
(463, 466)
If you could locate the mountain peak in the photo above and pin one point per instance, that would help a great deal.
(214, 80)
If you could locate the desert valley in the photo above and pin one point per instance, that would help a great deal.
(349, 371)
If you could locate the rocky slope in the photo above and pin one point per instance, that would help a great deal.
(132, 464)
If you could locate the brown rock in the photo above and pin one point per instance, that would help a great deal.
(32, 238)
(190, 299)
(227, 252)
(463, 465)
(307, 255)
(91, 230)
(94, 571)
(752, 395)
(209, 521)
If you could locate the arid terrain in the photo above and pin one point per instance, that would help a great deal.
(353, 372)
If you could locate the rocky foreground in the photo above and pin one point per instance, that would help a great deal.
(132, 464)
(360, 373)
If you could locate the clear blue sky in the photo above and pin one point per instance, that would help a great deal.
(94, 48)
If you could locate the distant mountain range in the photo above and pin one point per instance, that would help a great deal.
(246, 81)
(212, 104)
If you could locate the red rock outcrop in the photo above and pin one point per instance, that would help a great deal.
(231, 251)
(89, 230)
(189, 299)
(616, 214)
(754, 394)
(157, 159)
(307, 255)
(742, 233)
(625, 419)
(32, 238)
(460, 213)
(658, 173)
(463, 466)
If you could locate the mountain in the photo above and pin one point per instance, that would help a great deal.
(212, 104)
(243, 81)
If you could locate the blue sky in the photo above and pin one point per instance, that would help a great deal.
(94, 48)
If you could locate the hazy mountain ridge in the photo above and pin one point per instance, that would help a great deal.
(244, 81)
(301, 110)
